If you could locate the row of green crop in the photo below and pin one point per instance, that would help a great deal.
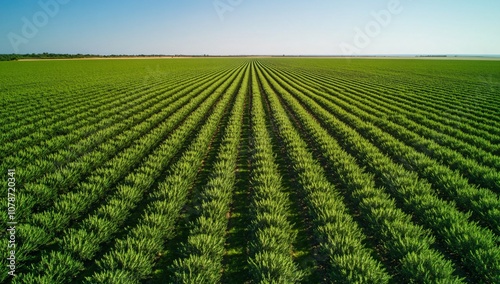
(480, 148)
(52, 112)
(475, 146)
(40, 121)
(479, 174)
(43, 102)
(83, 140)
(482, 202)
(429, 100)
(446, 86)
(85, 121)
(89, 124)
(273, 235)
(476, 173)
(98, 150)
(32, 86)
(375, 97)
(339, 238)
(47, 113)
(476, 247)
(451, 93)
(391, 96)
(132, 257)
(409, 245)
(29, 85)
(202, 252)
(440, 99)
(72, 205)
(84, 243)
(468, 150)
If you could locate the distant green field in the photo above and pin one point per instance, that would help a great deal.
(250, 170)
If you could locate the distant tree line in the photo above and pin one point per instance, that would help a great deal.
(46, 55)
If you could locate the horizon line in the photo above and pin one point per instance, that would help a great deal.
(286, 55)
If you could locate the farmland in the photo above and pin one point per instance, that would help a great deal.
(251, 170)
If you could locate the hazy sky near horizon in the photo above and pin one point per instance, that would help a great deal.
(232, 27)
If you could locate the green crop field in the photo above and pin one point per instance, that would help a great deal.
(250, 170)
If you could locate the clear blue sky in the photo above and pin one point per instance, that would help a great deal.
(250, 27)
